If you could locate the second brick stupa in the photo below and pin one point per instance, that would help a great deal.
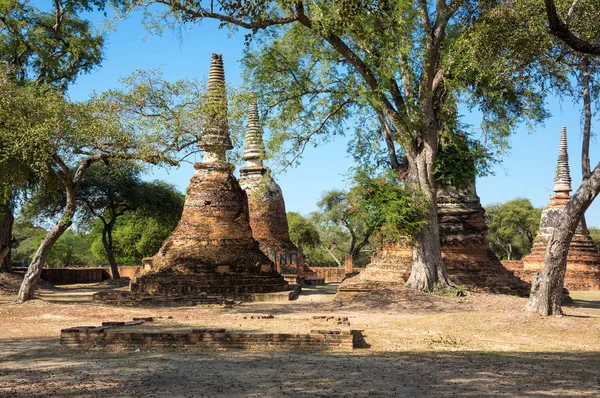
(212, 250)
(267, 207)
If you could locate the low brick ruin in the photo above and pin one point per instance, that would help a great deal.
(267, 208)
(212, 250)
(465, 250)
(122, 336)
(583, 259)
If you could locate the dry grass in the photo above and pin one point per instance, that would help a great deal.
(418, 345)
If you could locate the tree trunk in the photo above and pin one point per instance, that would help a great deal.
(41, 255)
(587, 118)
(428, 270)
(547, 286)
(6, 224)
(107, 241)
(328, 250)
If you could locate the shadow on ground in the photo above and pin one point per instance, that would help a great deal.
(586, 299)
(35, 368)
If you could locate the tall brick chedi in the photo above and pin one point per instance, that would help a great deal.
(212, 250)
(583, 260)
(265, 201)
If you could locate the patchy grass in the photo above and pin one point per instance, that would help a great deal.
(415, 345)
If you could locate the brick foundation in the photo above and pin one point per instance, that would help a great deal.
(116, 337)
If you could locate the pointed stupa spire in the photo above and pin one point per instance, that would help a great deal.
(254, 150)
(215, 138)
(562, 180)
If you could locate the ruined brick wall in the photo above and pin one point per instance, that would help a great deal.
(101, 338)
(334, 274)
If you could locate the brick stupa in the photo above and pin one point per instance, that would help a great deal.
(465, 250)
(267, 206)
(212, 250)
(583, 260)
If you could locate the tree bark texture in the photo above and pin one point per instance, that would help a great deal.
(107, 241)
(428, 270)
(41, 255)
(71, 182)
(587, 118)
(6, 224)
(547, 286)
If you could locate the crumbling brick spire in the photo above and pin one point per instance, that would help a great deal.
(215, 138)
(562, 180)
(254, 150)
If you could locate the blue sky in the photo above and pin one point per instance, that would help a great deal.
(526, 171)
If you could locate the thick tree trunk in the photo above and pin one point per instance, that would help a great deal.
(41, 255)
(547, 286)
(428, 270)
(6, 224)
(108, 247)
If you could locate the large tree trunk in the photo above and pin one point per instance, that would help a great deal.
(41, 255)
(6, 224)
(428, 270)
(547, 286)
(107, 241)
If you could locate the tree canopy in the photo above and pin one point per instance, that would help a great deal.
(512, 227)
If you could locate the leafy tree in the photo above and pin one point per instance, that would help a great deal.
(512, 227)
(109, 193)
(64, 139)
(72, 248)
(578, 30)
(577, 37)
(26, 240)
(337, 211)
(595, 234)
(138, 235)
(48, 47)
(106, 193)
(303, 232)
(395, 59)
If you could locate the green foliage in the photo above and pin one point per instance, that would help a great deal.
(595, 235)
(460, 159)
(26, 239)
(302, 231)
(512, 227)
(50, 46)
(71, 249)
(342, 229)
(385, 202)
(136, 235)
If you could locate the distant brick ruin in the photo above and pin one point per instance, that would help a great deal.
(465, 250)
(212, 250)
(583, 260)
(267, 207)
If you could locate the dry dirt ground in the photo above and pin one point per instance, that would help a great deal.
(414, 345)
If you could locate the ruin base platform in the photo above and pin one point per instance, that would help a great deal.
(116, 297)
(143, 335)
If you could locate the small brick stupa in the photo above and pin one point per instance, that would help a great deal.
(583, 260)
(465, 250)
(267, 206)
(212, 250)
